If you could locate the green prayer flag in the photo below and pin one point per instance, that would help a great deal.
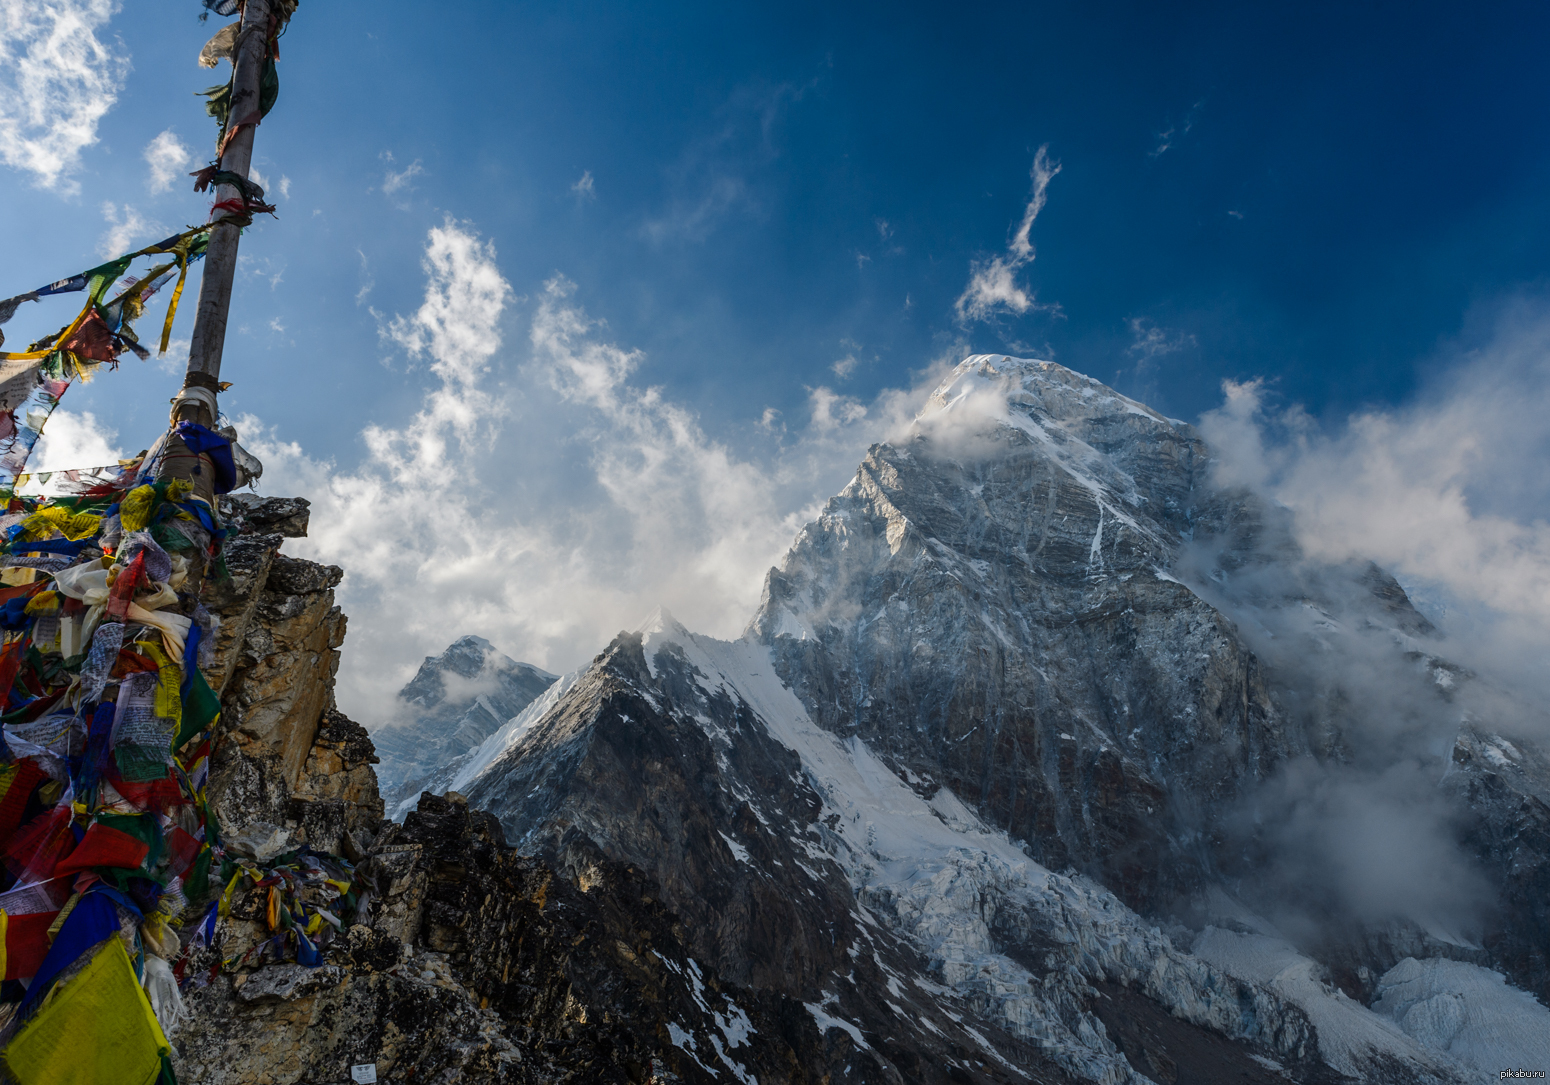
(201, 708)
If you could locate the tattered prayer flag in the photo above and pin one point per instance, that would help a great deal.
(105, 846)
(16, 783)
(99, 1029)
(201, 707)
(93, 339)
(38, 847)
(23, 943)
(10, 663)
(89, 921)
(122, 593)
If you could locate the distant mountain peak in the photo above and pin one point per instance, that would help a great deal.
(660, 620)
(454, 702)
(468, 657)
(1049, 387)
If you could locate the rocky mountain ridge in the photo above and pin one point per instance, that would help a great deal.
(1035, 608)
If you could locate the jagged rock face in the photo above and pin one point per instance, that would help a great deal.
(482, 966)
(798, 862)
(1506, 787)
(250, 514)
(455, 701)
(989, 603)
(286, 757)
(618, 767)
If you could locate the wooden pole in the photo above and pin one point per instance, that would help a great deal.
(197, 401)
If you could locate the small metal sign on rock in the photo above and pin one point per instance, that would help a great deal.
(364, 1074)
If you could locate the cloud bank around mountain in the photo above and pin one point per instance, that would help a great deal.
(451, 524)
(1447, 492)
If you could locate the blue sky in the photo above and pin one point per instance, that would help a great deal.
(765, 220)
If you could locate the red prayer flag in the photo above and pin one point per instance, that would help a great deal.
(26, 943)
(122, 593)
(102, 846)
(27, 776)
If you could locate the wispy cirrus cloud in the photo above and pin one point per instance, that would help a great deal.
(993, 285)
(1169, 137)
(693, 219)
(395, 181)
(1150, 341)
(719, 173)
(57, 80)
(168, 159)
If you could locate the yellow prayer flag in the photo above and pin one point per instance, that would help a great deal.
(98, 1028)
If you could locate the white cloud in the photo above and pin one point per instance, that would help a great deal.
(693, 220)
(993, 283)
(175, 361)
(73, 440)
(169, 160)
(457, 325)
(830, 410)
(408, 524)
(368, 281)
(1446, 493)
(586, 188)
(127, 229)
(845, 366)
(395, 180)
(1168, 137)
(1149, 342)
(282, 188)
(57, 80)
(546, 504)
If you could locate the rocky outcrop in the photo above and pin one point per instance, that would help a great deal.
(1505, 786)
(286, 757)
(250, 514)
(482, 966)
